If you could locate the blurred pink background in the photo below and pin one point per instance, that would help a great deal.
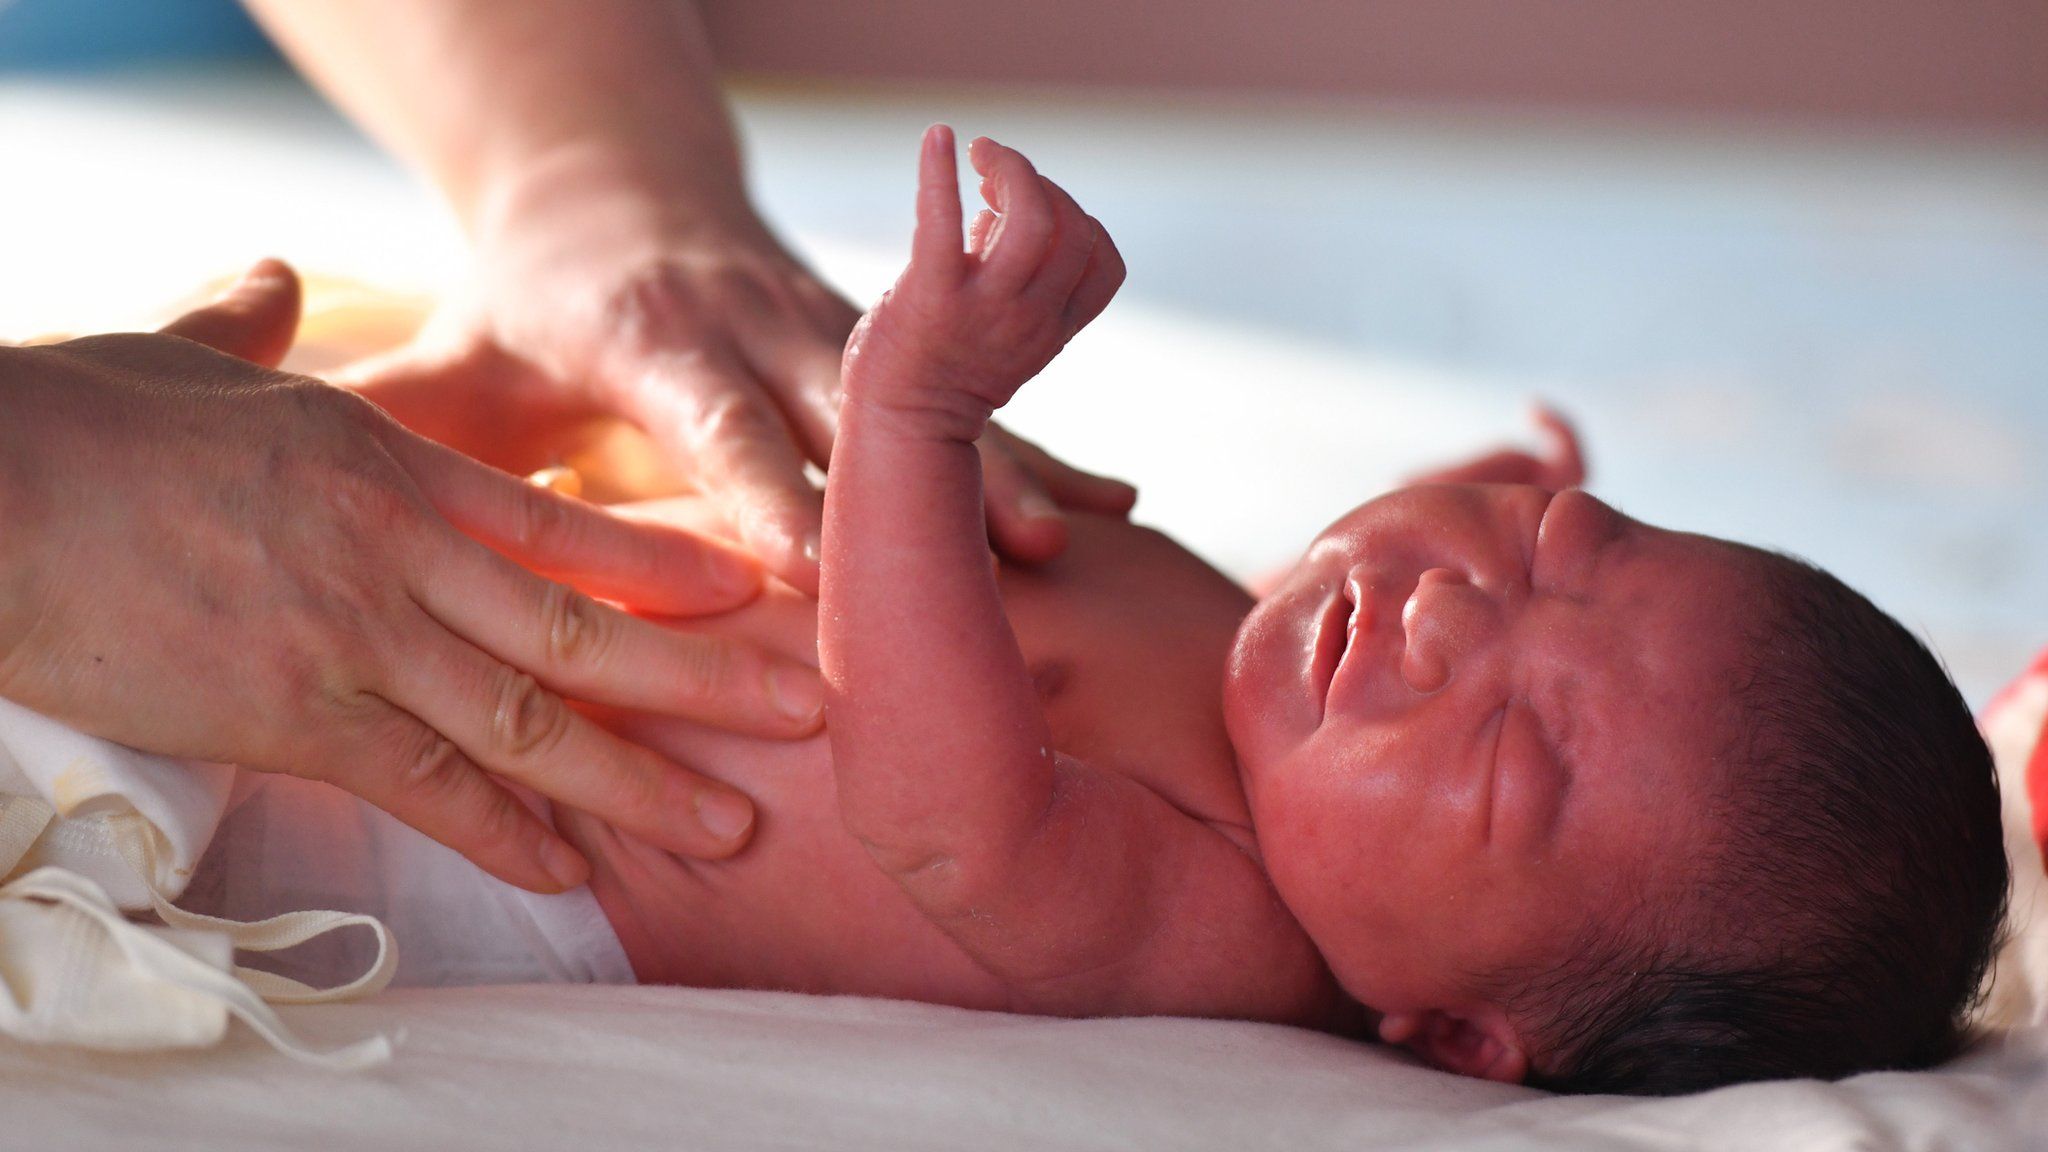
(1977, 61)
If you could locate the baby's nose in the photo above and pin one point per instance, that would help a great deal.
(1444, 621)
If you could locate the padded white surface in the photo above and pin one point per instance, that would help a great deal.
(623, 1069)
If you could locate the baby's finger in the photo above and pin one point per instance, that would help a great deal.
(1072, 245)
(1012, 187)
(507, 724)
(419, 776)
(1566, 462)
(1024, 522)
(935, 250)
(980, 232)
(1099, 282)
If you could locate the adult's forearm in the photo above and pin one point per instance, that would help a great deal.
(487, 96)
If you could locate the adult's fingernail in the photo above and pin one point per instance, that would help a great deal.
(726, 815)
(564, 864)
(262, 274)
(559, 478)
(796, 691)
(1037, 506)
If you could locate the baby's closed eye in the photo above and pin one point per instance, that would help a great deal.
(1528, 779)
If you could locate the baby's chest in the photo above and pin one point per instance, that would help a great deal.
(1127, 639)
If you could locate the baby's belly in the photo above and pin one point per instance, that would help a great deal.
(802, 909)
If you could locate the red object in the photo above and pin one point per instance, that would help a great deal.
(2013, 696)
(2037, 791)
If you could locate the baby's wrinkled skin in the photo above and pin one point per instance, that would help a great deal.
(1474, 721)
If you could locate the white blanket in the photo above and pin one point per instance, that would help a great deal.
(675, 1068)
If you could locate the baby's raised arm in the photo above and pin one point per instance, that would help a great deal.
(1060, 879)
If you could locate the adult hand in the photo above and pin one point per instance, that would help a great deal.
(594, 297)
(204, 557)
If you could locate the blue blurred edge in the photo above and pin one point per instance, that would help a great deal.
(59, 35)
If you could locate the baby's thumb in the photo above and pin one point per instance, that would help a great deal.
(254, 319)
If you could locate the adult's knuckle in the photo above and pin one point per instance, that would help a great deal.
(651, 305)
(430, 765)
(316, 401)
(309, 665)
(543, 519)
(324, 648)
(362, 496)
(315, 726)
(578, 630)
(527, 720)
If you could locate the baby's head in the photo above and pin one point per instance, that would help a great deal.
(1570, 799)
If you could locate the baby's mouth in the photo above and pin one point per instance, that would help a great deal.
(1333, 639)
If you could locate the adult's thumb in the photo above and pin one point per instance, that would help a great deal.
(255, 319)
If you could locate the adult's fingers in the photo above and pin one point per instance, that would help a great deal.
(706, 407)
(1024, 522)
(255, 319)
(797, 350)
(650, 566)
(1069, 487)
(595, 652)
(1028, 491)
(399, 764)
(504, 721)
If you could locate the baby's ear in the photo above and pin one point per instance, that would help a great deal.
(1481, 1042)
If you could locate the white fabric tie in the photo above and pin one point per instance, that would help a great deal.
(75, 970)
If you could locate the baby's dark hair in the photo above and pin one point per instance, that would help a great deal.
(1849, 915)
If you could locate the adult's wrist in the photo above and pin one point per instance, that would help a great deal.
(676, 192)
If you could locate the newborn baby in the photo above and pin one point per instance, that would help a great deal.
(1496, 773)
(1540, 791)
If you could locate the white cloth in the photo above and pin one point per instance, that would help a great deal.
(626, 1069)
(90, 830)
(286, 843)
(89, 781)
